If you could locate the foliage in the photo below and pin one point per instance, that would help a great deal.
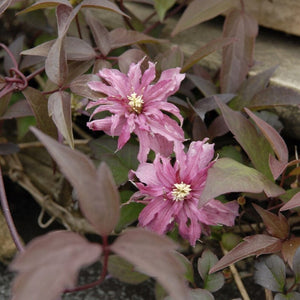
(184, 138)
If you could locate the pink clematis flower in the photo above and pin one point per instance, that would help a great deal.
(172, 193)
(136, 106)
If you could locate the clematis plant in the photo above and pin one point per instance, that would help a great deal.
(137, 106)
(172, 193)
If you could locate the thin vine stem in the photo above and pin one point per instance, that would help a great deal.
(8, 216)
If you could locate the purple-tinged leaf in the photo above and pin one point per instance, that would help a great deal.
(161, 7)
(296, 265)
(101, 64)
(273, 96)
(64, 18)
(128, 57)
(50, 264)
(79, 86)
(172, 58)
(276, 166)
(247, 135)
(204, 105)
(59, 108)
(121, 269)
(15, 48)
(217, 128)
(153, 255)
(4, 101)
(103, 4)
(4, 5)
(45, 4)
(276, 226)
(289, 248)
(76, 49)
(96, 190)
(205, 86)
(77, 68)
(99, 32)
(39, 105)
(199, 11)
(212, 282)
(120, 37)
(56, 63)
(205, 50)
(228, 175)
(252, 245)
(237, 58)
(250, 87)
(270, 272)
(17, 110)
(8, 148)
(276, 141)
(294, 202)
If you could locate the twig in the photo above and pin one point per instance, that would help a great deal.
(269, 295)
(237, 278)
(8, 216)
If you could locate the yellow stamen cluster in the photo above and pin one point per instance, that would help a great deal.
(180, 191)
(136, 102)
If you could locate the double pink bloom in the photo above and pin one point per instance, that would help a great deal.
(136, 106)
(172, 193)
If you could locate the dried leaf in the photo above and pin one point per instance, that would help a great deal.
(212, 282)
(44, 4)
(276, 226)
(292, 203)
(56, 63)
(39, 105)
(153, 255)
(103, 4)
(161, 7)
(228, 175)
(252, 245)
(237, 58)
(59, 108)
(205, 50)
(247, 136)
(124, 271)
(120, 37)
(97, 193)
(199, 11)
(270, 273)
(50, 264)
(99, 32)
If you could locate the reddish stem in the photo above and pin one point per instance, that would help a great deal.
(106, 252)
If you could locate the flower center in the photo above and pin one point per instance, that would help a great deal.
(136, 102)
(180, 191)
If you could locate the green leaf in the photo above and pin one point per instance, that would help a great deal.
(212, 282)
(161, 7)
(23, 125)
(230, 240)
(271, 273)
(289, 296)
(120, 162)
(247, 135)
(124, 271)
(197, 294)
(231, 152)
(45, 4)
(199, 11)
(228, 175)
(129, 214)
